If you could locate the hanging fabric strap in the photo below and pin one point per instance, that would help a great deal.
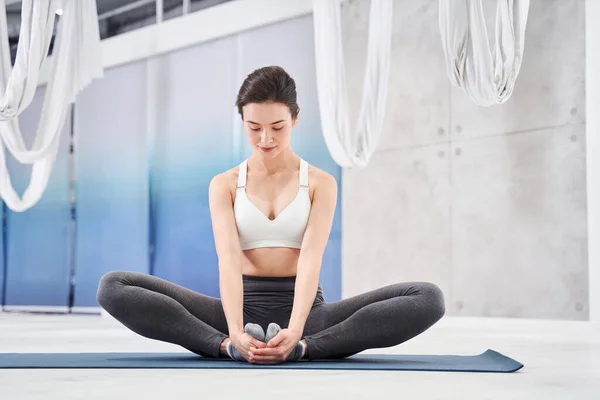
(75, 62)
(351, 147)
(37, 25)
(487, 76)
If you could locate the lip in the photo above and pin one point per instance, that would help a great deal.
(266, 149)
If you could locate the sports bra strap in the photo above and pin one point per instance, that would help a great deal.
(242, 175)
(303, 173)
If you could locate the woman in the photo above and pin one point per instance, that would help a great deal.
(271, 218)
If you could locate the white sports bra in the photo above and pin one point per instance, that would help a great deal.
(257, 230)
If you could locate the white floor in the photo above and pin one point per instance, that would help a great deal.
(562, 361)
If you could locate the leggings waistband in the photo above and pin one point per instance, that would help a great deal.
(250, 278)
(266, 286)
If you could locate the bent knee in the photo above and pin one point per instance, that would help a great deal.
(434, 298)
(109, 286)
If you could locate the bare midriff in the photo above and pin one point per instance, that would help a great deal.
(270, 261)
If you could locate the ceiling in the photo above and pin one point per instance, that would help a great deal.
(115, 24)
(108, 5)
(13, 6)
(102, 5)
(139, 16)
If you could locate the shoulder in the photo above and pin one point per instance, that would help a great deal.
(224, 183)
(320, 181)
(320, 177)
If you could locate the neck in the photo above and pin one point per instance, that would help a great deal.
(271, 165)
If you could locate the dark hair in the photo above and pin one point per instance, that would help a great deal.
(268, 84)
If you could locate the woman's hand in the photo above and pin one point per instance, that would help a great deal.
(246, 344)
(278, 348)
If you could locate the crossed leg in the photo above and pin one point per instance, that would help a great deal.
(383, 317)
(161, 310)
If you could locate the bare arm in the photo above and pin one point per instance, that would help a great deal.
(228, 253)
(313, 246)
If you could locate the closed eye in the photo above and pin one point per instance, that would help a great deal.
(259, 129)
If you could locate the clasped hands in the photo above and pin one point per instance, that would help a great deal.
(273, 352)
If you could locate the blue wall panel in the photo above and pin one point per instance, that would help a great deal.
(111, 179)
(39, 239)
(200, 136)
(2, 256)
(290, 44)
(193, 144)
(130, 194)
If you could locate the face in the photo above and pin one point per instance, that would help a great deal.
(268, 127)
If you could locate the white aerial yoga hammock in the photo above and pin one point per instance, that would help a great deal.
(348, 147)
(486, 76)
(76, 61)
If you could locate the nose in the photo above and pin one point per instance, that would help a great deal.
(265, 137)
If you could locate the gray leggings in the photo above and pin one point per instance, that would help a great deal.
(161, 310)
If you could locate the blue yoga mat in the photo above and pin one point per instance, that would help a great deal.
(489, 361)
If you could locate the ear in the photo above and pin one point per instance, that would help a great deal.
(295, 120)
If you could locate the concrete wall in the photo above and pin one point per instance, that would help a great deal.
(592, 82)
(489, 203)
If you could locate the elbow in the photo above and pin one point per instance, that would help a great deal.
(310, 260)
(230, 261)
(309, 255)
